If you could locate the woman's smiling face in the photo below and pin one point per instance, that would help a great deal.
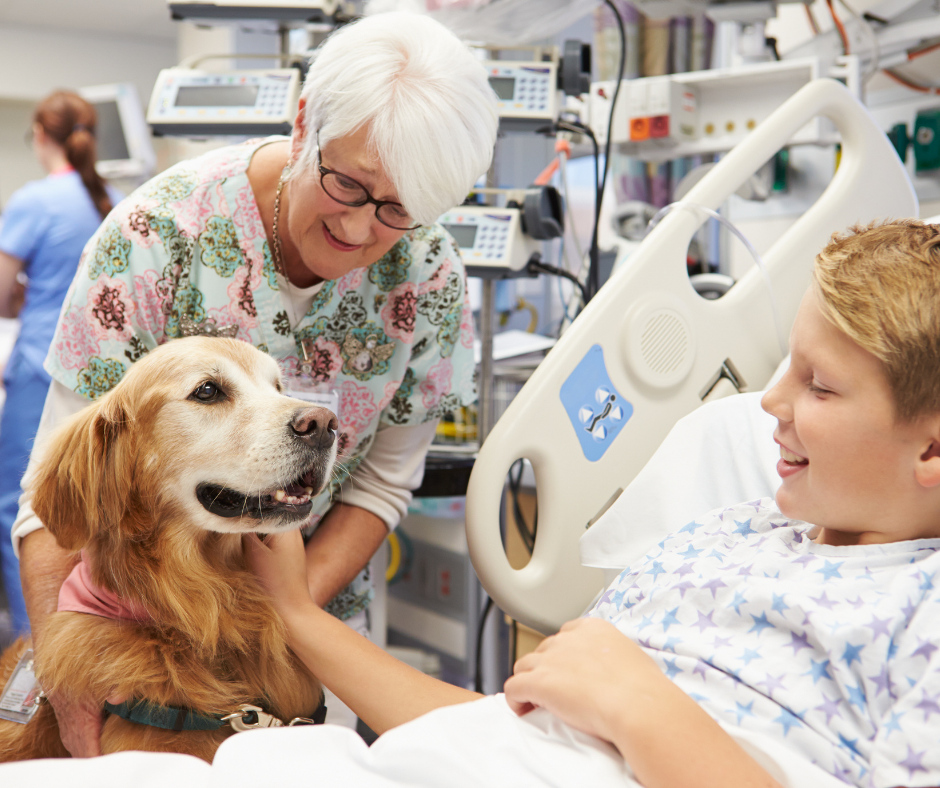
(330, 239)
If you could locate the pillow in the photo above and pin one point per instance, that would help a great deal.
(720, 454)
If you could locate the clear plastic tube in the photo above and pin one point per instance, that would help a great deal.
(775, 313)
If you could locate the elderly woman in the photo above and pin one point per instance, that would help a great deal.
(321, 250)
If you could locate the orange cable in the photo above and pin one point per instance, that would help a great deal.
(840, 27)
(910, 85)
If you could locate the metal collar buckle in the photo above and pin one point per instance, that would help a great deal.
(249, 717)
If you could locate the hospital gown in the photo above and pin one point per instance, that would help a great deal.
(833, 650)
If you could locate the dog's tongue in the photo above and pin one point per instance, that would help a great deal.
(297, 490)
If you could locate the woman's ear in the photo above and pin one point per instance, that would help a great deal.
(299, 135)
(77, 487)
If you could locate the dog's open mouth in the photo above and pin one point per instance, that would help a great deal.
(293, 500)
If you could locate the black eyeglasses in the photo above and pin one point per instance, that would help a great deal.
(350, 192)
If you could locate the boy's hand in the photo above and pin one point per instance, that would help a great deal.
(280, 563)
(589, 675)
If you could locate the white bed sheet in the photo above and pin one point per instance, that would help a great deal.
(475, 745)
(720, 454)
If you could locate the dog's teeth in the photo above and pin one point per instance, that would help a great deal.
(308, 490)
(280, 495)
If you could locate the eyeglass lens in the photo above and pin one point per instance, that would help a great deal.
(349, 192)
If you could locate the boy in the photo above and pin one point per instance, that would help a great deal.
(821, 636)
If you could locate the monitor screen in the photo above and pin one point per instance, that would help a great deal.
(217, 96)
(112, 145)
(464, 234)
(503, 87)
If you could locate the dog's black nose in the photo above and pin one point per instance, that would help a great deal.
(315, 426)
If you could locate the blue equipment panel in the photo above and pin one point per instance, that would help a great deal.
(596, 409)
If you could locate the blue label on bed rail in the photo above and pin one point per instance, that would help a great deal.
(596, 409)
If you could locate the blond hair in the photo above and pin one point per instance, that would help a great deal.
(880, 284)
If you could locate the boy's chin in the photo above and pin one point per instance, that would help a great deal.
(789, 506)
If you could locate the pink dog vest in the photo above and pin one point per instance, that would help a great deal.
(80, 595)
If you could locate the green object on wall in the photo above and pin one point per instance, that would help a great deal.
(926, 141)
(900, 140)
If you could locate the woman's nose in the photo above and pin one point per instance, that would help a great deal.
(357, 223)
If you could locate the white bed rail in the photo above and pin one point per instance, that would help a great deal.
(649, 345)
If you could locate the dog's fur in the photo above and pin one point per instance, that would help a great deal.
(119, 481)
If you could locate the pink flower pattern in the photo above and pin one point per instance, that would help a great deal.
(400, 311)
(109, 309)
(242, 303)
(357, 411)
(466, 326)
(349, 281)
(74, 343)
(192, 213)
(437, 280)
(437, 383)
(327, 360)
(245, 216)
(150, 302)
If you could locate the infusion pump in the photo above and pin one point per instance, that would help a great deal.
(489, 238)
(188, 102)
(527, 92)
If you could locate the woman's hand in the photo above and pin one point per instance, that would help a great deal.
(588, 675)
(280, 563)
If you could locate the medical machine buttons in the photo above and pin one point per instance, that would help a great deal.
(596, 409)
(659, 347)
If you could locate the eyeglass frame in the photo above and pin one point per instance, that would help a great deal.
(369, 199)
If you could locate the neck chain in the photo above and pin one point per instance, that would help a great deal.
(279, 266)
(276, 251)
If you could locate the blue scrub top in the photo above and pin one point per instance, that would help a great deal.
(46, 224)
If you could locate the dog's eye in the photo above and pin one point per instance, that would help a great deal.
(207, 392)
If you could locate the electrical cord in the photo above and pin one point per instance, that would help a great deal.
(478, 674)
(536, 266)
(593, 281)
(515, 485)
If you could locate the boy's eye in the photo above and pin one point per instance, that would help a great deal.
(817, 389)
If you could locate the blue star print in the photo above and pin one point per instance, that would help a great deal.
(829, 648)
(830, 570)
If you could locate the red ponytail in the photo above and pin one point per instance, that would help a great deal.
(70, 121)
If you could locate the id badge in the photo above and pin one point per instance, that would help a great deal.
(22, 693)
(322, 394)
(303, 386)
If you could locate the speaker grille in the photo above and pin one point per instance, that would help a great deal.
(664, 342)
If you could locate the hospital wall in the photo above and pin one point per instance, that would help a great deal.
(35, 61)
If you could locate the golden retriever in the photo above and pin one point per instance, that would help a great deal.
(156, 484)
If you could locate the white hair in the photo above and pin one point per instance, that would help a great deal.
(431, 112)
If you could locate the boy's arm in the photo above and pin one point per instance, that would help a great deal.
(381, 690)
(597, 680)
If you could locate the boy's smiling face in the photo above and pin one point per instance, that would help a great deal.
(847, 464)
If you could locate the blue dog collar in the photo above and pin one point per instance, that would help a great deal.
(172, 718)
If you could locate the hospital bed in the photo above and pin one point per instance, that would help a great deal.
(647, 350)
(643, 354)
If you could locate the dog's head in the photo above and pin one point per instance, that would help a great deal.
(199, 431)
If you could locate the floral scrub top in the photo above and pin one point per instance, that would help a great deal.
(187, 253)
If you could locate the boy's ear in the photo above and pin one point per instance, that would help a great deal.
(927, 469)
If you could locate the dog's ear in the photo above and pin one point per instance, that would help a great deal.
(80, 484)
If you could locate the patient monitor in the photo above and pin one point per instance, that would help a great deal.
(647, 349)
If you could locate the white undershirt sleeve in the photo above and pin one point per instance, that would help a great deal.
(393, 467)
(61, 404)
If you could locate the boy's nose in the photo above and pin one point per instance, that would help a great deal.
(776, 402)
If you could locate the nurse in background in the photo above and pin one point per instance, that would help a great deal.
(43, 230)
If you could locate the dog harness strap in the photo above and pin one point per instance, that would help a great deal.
(168, 718)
